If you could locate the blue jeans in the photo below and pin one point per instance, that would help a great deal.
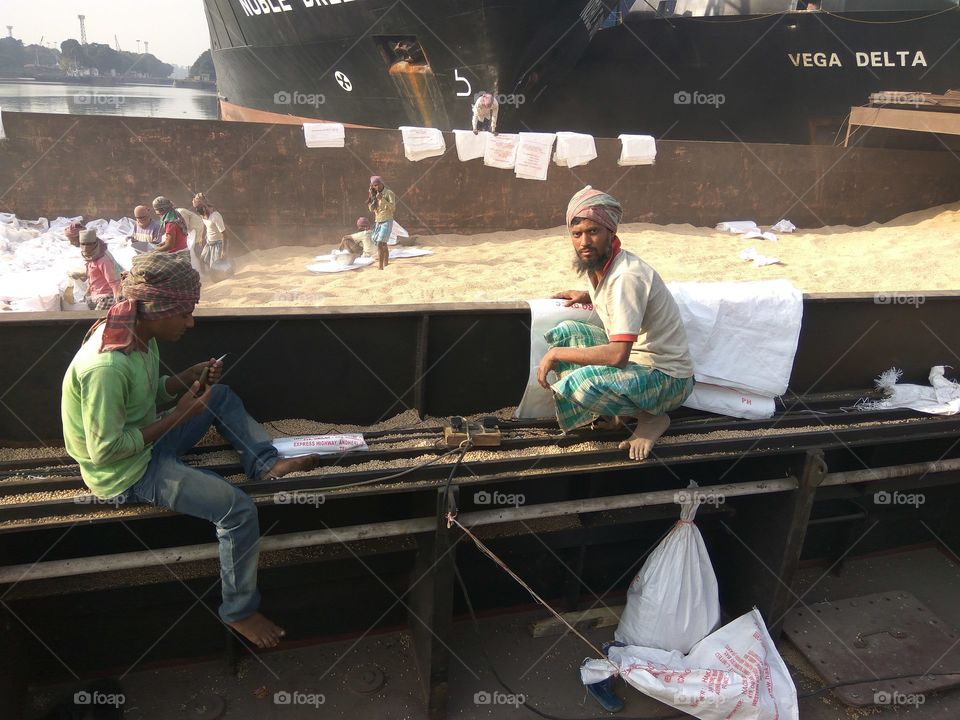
(170, 483)
(382, 230)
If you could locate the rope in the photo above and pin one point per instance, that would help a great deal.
(452, 520)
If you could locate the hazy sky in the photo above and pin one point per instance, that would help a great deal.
(176, 29)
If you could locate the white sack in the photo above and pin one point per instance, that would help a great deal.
(326, 134)
(298, 445)
(533, 155)
(470, 146)
(727, 401)
(673, 602)
(941, 398)
(737, 227)
(637, 150)
(742, 335)
(735, 673)
(574, 149)
(421, 143)
(501, 151)
(544, 316)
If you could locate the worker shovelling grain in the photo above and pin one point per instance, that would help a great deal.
(638, 364)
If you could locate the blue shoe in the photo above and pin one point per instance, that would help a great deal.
(603, 693)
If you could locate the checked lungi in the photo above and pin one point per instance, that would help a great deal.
(585, 392)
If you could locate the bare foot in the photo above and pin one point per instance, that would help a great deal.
(648, 431)
(259, 630)
(284, 466)
(607, 423)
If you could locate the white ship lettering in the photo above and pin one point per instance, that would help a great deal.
(875, 58)
(266, 7)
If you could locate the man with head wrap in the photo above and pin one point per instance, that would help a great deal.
(174, 226)
(638, 364)
(382, 202)
(103, 272)
(127, 452)
(72, 233)
(360, 242)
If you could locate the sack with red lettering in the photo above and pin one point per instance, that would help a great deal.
(734, 673)
(673, 602)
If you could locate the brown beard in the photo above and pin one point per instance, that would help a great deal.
(582, 267)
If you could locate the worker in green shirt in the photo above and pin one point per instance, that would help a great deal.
(127, 452)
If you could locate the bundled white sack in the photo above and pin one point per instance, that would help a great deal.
(673, 602)
(297, 445)
(941, 398)
(324, 135)
(546, 314)
(734, 674)
(727, 401)
(501, 151)
(470, 146)
(533, 155)
(421, 143)
(574, 149)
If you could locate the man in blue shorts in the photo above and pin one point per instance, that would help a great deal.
(382, 203)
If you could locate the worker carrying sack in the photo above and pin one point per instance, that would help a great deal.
(673, 602)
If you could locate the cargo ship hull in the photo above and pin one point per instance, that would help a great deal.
(781, 77)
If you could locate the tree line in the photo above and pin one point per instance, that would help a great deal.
(15, 56)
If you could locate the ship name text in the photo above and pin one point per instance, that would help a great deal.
(265, 7)
(875, 58)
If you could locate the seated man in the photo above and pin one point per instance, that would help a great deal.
(174, 239)
(638, 364)
(360, 242)
(103, 272)
(127, 451)
(148, 232)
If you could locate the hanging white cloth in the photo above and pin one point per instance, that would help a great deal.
(470, 146)
(533, 155)
(322, 135)
(422, 143)
(637, 150)
(501, 151)
(574, 149)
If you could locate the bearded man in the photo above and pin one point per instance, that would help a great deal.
(638, 364)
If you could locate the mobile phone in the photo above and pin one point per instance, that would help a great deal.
(203, 377)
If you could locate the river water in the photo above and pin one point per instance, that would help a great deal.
(132, 100)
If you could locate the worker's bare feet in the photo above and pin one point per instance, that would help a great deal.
(284, 466)
(259, 630)
(648, 431)
(608, 423)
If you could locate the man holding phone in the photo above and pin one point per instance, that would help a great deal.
(128, 452)
(382, 203)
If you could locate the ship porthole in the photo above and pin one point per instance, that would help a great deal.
(343, 81)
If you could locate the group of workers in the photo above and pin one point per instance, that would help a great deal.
(165, 230)
(635, 367)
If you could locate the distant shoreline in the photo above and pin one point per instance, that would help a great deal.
(112, 82)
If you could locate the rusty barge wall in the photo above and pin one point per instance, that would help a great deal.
(274, 191)
(365, 364)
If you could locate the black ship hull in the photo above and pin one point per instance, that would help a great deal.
(785, 77)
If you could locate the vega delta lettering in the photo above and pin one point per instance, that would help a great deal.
(265, 7)
(874, 58)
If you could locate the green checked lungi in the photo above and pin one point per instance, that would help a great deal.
(585, 392)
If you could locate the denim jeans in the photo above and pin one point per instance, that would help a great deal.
(170, 483)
